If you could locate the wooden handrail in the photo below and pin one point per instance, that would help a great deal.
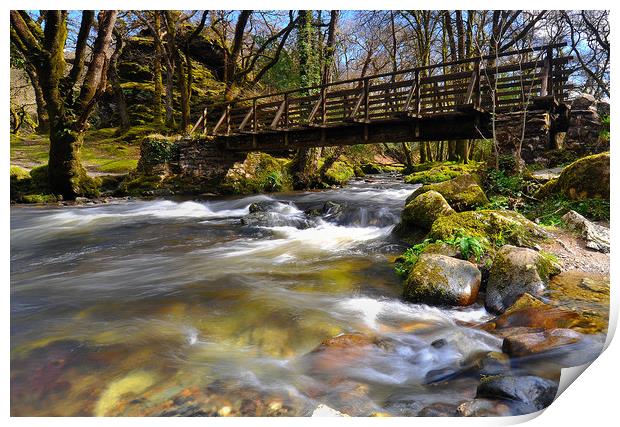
(376, 97)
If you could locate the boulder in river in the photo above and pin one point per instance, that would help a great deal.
(534, 392)
(530, 312)
(516, 271)
(586, 178)
(424, 210)
(441, 280)
(462, 193)
(529, 343)
(498, 227)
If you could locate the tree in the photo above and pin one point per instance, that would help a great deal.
(68, 106)
(306, 163)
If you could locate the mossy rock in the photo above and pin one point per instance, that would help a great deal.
(371, 169)
(462, 193)
(339, 174)
(18, 173)
(259, 172)
(156, 150)
(516, 271)
(587, 178)
(424, 210)
(140, 184)
(441, 280)
(499, 227)
(442, 172)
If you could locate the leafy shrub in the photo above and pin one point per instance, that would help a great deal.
(408, 259)
(468, 246)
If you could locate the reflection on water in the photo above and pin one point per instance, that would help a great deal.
(172, 307)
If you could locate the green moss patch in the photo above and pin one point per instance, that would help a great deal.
(260, 172)
(440, 172)
(587, 178)
(462, 192)
(339, 174)
(496, 226)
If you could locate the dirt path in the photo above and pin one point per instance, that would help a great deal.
(572, 252)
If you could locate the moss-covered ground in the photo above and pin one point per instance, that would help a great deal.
(103, 152)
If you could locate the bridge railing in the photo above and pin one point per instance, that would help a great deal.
(506, 81)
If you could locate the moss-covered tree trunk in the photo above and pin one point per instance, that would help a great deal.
(43, 120)
(157, 76)
(306, 163)
(43, 47)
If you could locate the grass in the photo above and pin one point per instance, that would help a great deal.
(102, 152)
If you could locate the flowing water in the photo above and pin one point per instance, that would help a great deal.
(194, 307)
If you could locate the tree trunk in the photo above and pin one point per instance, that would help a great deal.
(422, 148)
(407, 153)
(157, 75)
(66, 175)
(43, 120)
(462, 150)
(116, 85)
(452, 151)
(169, 97)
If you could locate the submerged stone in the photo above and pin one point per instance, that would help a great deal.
(442, 280)
(526, 344)
(535, 392)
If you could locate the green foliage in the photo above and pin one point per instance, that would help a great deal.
(605, 126)
(273, 181)
(408, 259)
(500, 183)
(156, 149)
(468, 245)
(549, 211)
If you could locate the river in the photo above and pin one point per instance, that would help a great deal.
(183, 307)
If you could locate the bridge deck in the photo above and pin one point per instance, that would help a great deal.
(452, 100)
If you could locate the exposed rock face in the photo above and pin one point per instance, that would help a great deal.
(534, 141)
(462, 193)
(596, 236)
(582, 136)
(496, 226)
(424, 210)
(586, 178)
(526, 344)
(441, 280)
(514, 272)
(534, 393)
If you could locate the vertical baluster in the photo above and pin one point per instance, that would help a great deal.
(204, 121)
(417, 93)
(550, 91)
(286, 104)
(227, 119)
(254, 125)
(323, 104)
(366, 100)
(477, 95)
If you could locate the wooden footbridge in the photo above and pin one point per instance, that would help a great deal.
(447, 101)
